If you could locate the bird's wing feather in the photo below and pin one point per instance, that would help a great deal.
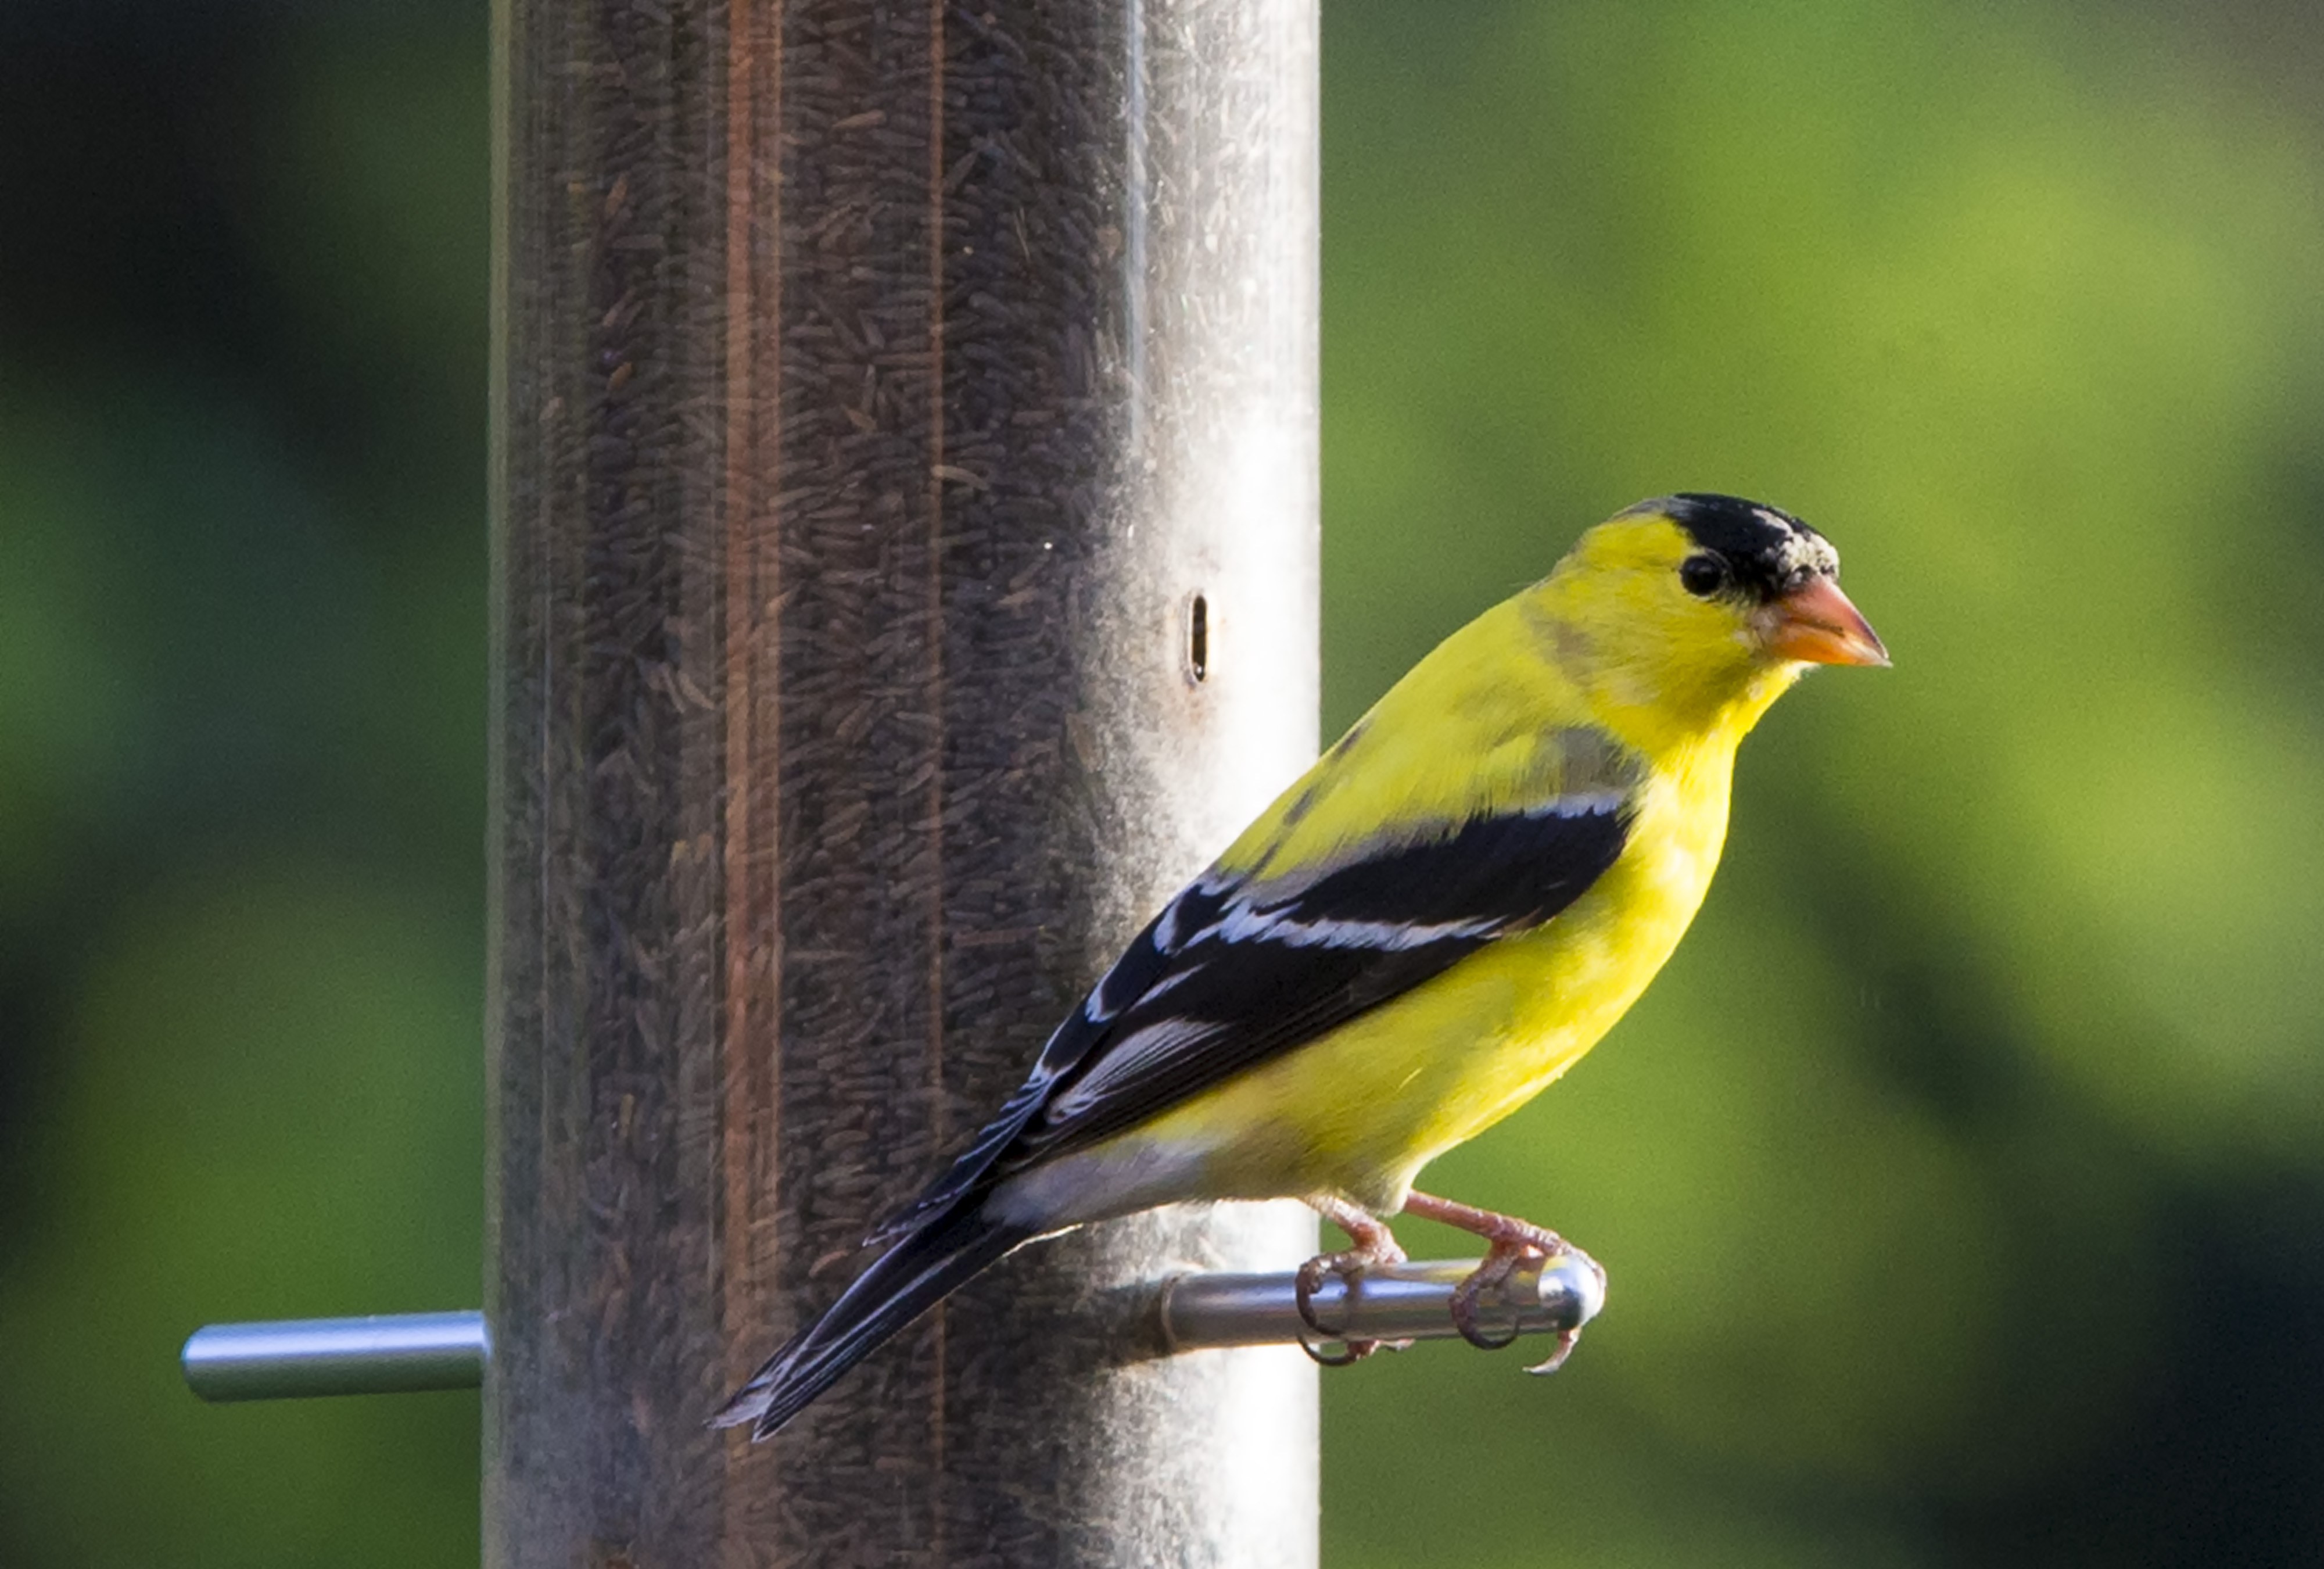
(1247, 971)
(1240, 968)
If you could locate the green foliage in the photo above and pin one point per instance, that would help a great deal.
(273, 1110)
(2007, 970)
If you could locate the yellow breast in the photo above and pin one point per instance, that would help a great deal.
(1358, 1111)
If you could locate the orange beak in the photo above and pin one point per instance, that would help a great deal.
(1816, 624)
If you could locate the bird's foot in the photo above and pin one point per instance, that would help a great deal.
(1372, 1245)
(1514, 1243)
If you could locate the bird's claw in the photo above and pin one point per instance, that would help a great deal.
(1499, 1263)
(1349, 1353)
(1513, 1242)
(1567, 1339)
(1373, 1245)
(1348, 1267)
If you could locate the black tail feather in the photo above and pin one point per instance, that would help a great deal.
(910, 1277)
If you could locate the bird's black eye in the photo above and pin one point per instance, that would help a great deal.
(1703, 575)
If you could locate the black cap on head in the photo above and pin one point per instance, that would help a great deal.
(1767, 551)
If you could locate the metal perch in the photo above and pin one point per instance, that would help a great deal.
(390, 1354)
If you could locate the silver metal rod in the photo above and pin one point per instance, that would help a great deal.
(383, 1355)
(1401, 1301)
(390, 1354)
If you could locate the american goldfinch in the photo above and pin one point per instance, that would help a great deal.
(1452, 906)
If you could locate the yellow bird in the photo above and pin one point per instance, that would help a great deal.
(1452, 906)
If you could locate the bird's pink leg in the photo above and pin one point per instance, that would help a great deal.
(1513, 1242)
(1371, 1244)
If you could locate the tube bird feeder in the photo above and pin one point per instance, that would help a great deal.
(905, 558)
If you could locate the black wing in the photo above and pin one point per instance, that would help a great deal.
(1234, 973)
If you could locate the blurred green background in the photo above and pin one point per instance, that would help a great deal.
(1962, 1181)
